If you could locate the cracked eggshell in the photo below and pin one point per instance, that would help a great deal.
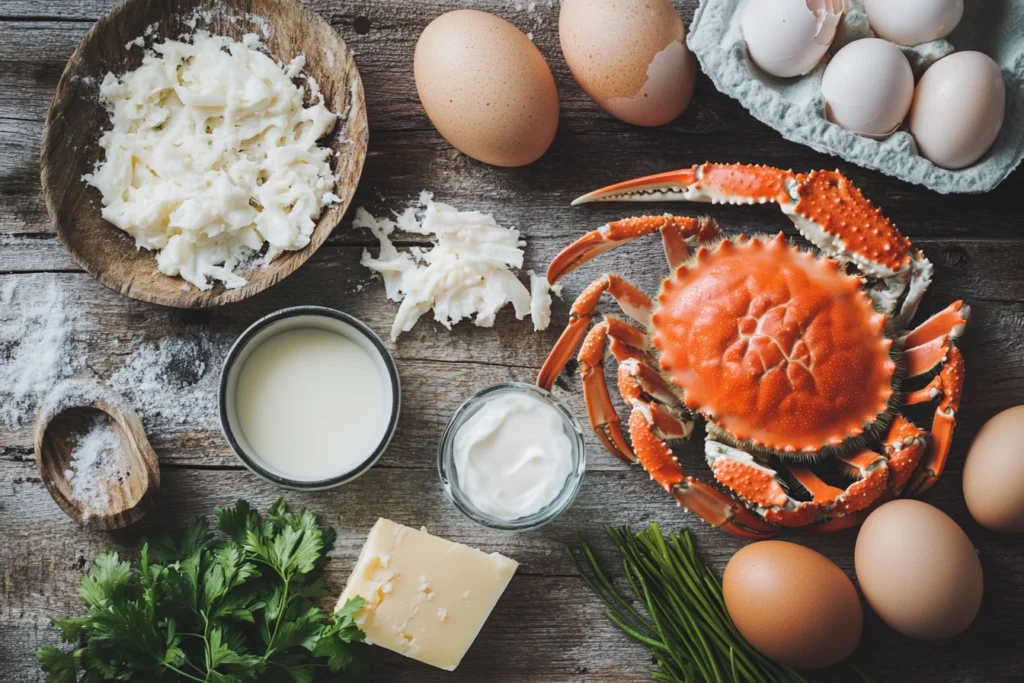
(787, 38)
(486, 88)
(912, 22)
(631, 58)
(868, 87)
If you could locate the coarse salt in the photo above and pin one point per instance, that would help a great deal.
(95, 459)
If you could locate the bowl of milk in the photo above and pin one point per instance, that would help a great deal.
(309, 398)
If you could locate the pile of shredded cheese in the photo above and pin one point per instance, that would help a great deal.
(467, 273)
(212, 154)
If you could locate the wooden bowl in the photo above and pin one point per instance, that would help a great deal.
(77, 118)
(67, 414)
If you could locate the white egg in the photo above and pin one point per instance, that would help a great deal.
(912, 22)
(958, 109)
(789, 37)
(868, 87)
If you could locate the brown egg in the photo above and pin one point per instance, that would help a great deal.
(631, 58)
(994, 473)
(918, 570)
(794, 605)
(486, 88)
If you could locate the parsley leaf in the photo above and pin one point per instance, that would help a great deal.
(230, 607)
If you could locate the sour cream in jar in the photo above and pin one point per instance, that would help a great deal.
(513, 456)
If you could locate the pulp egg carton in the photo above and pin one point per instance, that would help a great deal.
(795, 107)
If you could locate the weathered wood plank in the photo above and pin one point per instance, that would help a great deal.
(441, 368)
(402, 163)
(32, 253)
(548, 628)
(971, 269)
(408, 155)
(545, 604)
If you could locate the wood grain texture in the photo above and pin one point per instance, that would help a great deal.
(548, 629)
(77, 117)
(58, 432)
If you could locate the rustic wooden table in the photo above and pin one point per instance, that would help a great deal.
(548, 627)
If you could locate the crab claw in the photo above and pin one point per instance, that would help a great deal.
(714, 507)
(679, 233)
(717, 183)
(826, 208)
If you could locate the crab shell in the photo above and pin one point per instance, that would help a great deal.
(780, 350)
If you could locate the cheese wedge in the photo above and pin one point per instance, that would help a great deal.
(426, 598)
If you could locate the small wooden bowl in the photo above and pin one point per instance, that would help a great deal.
(66, 415)
(77, 118)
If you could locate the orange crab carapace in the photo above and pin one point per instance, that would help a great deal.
(796, 359)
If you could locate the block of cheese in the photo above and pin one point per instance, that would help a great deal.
(426, 598)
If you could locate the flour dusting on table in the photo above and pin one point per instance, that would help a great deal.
(170, 381)
(37, 344)
(43, 342)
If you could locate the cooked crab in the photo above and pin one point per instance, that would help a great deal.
(795, 358)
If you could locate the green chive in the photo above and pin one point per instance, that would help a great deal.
(687, 626)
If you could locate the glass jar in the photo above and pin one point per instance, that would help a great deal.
(449, 472)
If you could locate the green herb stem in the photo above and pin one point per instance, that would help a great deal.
(684, 621)
(187, 675)
(280, 614)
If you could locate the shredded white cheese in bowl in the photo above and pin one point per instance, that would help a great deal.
(213, 155)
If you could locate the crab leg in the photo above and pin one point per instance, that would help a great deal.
(603, 418)
(632, 301)
(928, 344)
(923, 359)
(623, 351)
(650, 425)
(920, 277)
(713, 506)
(637, 380)
(679, 234)
(925, 394)
(948, 323)
(904, 445)
(951, 382)
(753, 482)
(758, 484)
(871, 478)
(825, 206)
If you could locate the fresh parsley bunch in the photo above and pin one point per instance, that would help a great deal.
(196, 607)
